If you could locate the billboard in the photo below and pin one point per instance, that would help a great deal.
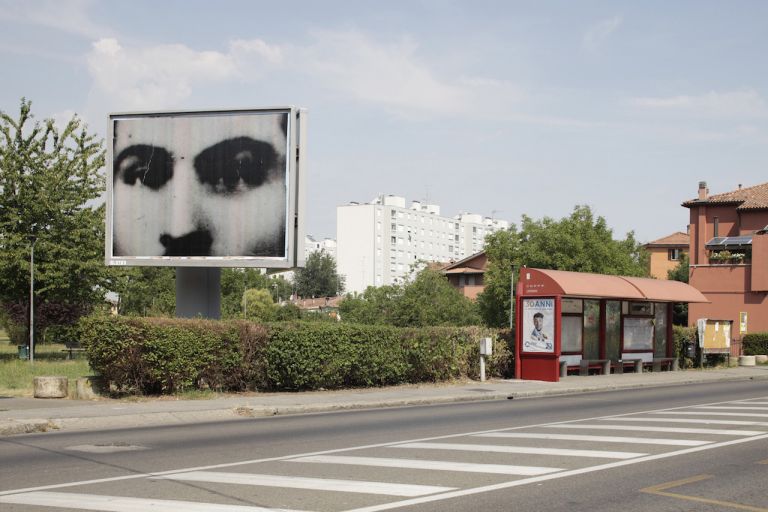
(539, 325)
(206, 188)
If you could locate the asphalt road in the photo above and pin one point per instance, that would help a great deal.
(677, 448)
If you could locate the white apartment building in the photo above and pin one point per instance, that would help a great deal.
(377, 243)
(328, 245)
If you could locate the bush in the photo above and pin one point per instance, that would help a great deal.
(679, 336)
(755, 344)
(155, 355)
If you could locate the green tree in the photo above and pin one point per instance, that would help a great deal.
(580, 242)
(319, 277)
(49, 186)
(429, 299)
(258, 305)
(145, 291)
(680, 273)
(234, 282)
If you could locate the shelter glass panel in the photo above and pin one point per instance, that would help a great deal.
(638, 333)
(613, 330)
(571, 306)
(591, 329)
(660, 328)
(570, 336)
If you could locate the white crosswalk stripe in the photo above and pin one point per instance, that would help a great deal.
(732, 407)
(521, 449)
(319, 484)
(646, 428)
(700, 421)
(708, 413)
(432, 465)
(596, 439)
(122, 504)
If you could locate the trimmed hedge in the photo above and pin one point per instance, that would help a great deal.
(755, 344)
(154, 355)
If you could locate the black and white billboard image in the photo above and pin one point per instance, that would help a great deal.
(203, 188)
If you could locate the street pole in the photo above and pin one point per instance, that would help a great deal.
(32, 302)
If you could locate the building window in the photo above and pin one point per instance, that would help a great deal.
(673, 254)
(393, 240)
(716, 222)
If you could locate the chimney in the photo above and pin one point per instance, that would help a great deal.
(703, 191)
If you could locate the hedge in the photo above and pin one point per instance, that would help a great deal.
(153, 355)
(755, 344)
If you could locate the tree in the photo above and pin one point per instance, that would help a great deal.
(680, 273)
(578, 243)
(145, 291)
(319, 277)
(49, 186)
(258, 305)
(429, 299)
(235, 281)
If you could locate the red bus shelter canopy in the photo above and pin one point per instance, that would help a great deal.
(581, 284)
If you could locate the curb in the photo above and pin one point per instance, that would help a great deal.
(27, 426)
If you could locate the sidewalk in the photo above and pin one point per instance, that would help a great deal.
(24, 415)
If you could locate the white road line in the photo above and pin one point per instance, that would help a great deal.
(122, 504)
(714, 413)
(687, 420)
(319, 484)
(433, 465)
(646, 428)
(564, 452)
(748, 402)
(544, 478)
(596, 439)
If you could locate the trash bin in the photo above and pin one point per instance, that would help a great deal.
(23, 351)
(690, 349)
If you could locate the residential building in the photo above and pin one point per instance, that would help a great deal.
(467, 275)
(729, 258)
(379, 242)
(327, 245)
(665, 253)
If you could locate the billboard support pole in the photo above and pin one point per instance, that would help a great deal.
(198, 292)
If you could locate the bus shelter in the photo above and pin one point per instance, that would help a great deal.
(581, 320)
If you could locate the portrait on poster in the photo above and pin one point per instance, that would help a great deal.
(539, 325)
(199, 185)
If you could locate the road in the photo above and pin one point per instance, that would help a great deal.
(677, 448)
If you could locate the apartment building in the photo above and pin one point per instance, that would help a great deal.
(327, 245)
(665, 253)
(377, 243)
(729, 258)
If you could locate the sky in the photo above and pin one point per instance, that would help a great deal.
(502, 108)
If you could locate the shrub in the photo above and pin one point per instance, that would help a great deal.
(755, 343)
(157, 355)
(679, 336)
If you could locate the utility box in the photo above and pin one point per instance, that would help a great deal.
(486, 346)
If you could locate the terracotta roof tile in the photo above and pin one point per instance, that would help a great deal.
(678, 238)
(751, 198)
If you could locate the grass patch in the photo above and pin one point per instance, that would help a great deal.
(16, 375)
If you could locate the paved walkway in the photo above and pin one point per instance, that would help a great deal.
(22, 415)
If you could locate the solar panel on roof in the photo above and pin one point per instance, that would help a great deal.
(729, 241)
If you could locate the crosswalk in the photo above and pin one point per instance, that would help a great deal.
(410, 472)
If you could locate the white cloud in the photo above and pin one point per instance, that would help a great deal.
(155, 77)
(733, 104)
(595, 36)
(270, 53)
(71, 16)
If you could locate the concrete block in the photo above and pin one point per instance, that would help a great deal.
(761, 359)
(88, 388)
(51, 387)
(746, 360)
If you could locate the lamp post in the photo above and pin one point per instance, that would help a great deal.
(32, 239)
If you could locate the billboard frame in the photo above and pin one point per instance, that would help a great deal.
(295, 196)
